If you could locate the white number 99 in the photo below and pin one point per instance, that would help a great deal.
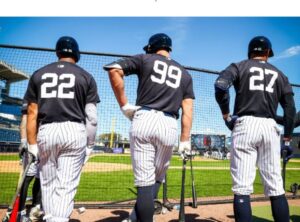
(173, 73)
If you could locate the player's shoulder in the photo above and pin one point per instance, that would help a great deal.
(45, 68)
(271, 66)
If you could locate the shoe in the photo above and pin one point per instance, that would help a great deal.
(36, 213)
(22, 217)
(132, 217)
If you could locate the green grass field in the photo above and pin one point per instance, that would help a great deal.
(264, 214)
(118, 185)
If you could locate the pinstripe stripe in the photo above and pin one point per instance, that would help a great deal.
(62, 150)
(256, 142)
(152, 137)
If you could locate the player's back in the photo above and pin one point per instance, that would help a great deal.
(259, 88)
(62, 90)
(163, 83)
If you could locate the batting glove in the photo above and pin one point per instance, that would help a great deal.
(33, 149)
(230, 121)
(88, 151)
(184, 149)
(23, 148)
(288, 150)
(129, 110)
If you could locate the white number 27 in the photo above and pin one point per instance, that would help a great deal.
(255, 79)
(46, 91)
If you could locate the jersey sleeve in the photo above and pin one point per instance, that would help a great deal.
(31, 95)
(24, 107)
(92, 95)
(189, 91)
(130, 65)
(227, 77)
(286, 88)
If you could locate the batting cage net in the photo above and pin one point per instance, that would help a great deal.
(107, 178)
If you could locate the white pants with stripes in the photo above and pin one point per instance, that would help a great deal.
(61, 154)
(256, 142)
(152, 137)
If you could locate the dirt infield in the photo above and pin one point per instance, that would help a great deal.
(205, 213)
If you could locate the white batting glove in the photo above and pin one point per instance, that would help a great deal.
(184, 148)
(33, 149)
(88, 151)
(129, 110)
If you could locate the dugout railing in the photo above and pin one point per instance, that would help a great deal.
(107, 179)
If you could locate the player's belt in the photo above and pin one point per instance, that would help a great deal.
(48, 122)
(165, 113)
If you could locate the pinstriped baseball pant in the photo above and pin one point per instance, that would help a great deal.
(61, 154)
(256, 142)
(152, 137)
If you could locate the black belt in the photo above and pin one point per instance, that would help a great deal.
(48, 122)
(165, 113)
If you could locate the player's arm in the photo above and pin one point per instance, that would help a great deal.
(23, 127)
(91, 123)
(117, 83)
(280, 120)
(222, 85)
(23, 144)
(117, 70)
(288, 104)
(186, 119)
(31, 128)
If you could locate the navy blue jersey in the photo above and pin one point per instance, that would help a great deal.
(259, 87)
(163, 83)
(61, 90)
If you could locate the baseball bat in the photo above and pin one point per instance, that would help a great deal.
(284, 153)
(20, 184)
(194, 195)
(181, 209)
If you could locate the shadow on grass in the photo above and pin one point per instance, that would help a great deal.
(259, 219)
(120, 215)
(194, 217)
(295, 218)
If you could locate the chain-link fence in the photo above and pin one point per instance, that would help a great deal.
(108, 177)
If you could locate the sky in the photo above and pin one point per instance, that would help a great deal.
(202, 42)
(206, 42)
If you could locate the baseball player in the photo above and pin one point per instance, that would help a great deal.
(61, 126)
(164, 87)
(33, 172)
(259, 87)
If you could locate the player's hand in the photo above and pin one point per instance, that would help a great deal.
(184, 149)
(88, 151)
(129, 110)
(288, 149)
(23, 148)
(33, 149)
(230, 121)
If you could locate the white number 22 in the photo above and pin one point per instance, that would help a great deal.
(260, 77)
(172, 72)
(45, 87)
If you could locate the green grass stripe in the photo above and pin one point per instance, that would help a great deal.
(264, 213)
(111, 186)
